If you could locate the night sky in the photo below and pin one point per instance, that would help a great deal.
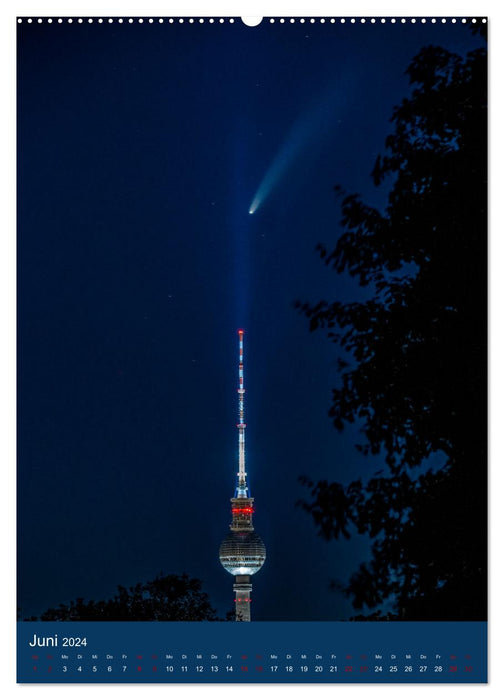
(141, 148)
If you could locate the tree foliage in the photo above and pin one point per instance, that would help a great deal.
(164, 599)
(414, 371)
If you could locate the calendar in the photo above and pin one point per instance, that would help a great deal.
(252, 357)
(264, 653)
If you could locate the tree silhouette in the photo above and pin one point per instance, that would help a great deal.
(413, 373)
(166, 598)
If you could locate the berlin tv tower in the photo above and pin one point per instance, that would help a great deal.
(242, 552)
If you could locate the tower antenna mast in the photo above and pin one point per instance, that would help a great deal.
(241, 488)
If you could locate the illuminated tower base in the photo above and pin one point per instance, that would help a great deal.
(242, 589)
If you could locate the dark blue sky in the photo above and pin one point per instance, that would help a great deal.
(140, 150)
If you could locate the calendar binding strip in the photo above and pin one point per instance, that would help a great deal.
(269, 20)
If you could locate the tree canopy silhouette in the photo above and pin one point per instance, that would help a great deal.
(413, 371)
(164, 599)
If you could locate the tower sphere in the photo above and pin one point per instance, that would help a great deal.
(242, 553)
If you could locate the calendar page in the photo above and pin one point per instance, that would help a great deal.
(252, 349)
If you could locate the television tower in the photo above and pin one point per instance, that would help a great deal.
(242, 552)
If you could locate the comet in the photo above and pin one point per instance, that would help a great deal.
(313, 125)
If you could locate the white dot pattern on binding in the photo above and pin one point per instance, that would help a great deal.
(231, 20)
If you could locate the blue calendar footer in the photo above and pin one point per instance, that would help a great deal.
(267, 652)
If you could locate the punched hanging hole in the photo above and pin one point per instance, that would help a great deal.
(251, 21)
